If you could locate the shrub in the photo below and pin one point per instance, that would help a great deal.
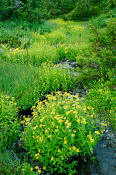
(113, 110)
(104, 38)
(28, 169)
(61, 129)
(84, 9)
(67, 52)
(35, 55)
(99, 97)
(32, 83)
(8, 39)
(50, 78)
(55, 37)
(9, 163)
(9, 126)
(103, 43)
(42, 53)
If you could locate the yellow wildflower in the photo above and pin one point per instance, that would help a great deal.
(84, 121)
(65, 142)
(36, 167)
(97, 132)
(39, 171)
(104, 124)
(52, 158)
(36, 154)
(75, 112)
(58, 150)
(77, 150)
(34, 127)
(92, 140)
(68, 112)
(102, 131)
(72, 135)
(23, 121)
(44, 168)
(78, 120)
(74, 148)
(31, 169)
(13, 98)
(90, 137)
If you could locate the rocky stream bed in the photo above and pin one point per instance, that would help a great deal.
(105, 151)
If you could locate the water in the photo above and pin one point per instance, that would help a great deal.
(105, 162)
(105, 151)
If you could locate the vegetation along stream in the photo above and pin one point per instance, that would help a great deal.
(58, 87)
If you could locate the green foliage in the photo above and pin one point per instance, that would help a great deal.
(9, 126)
(20, 34)
(103, 42)
(87, 8)
(31, 10)
(32, 83)
(28, 52)
(27, 169)
(9, 163)
(104, 38)
(49, 79)
(84, 9)
(67, 52)
(11, 41)
(61, 128)
(99, 97)
(101, 21)
(34, 42)
(113, 109)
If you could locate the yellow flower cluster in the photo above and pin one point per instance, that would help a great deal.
(58, 125)
(90, 137)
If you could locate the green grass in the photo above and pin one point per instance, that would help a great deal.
(32, 47)
(21, 73)
(29, 52)
(28, 84)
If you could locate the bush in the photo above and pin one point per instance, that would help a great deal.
(84, 9)
(104, 38)
(9, 163)
(28, 169)
(9, 126)
(32, 83)
(61, 129)
(67, 52)
(113, 110)
(50, 78)
(99, 97)
(103, 43)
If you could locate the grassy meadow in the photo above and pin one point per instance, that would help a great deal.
(61, 126)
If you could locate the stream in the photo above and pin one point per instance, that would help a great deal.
(105, 150)
(105, 153)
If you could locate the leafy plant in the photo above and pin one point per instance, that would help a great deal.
(50, 78)
(9, 163)
(61, 128)
(9, 125)
(99, 97)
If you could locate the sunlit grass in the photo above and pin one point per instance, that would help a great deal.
(36, 48)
